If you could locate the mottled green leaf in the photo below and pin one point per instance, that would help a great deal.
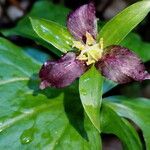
(111, 123)
(34, 119)
(118, 27)
(90, 87)
(53, 33)
(136, 109)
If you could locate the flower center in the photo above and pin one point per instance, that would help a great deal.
(91, 52)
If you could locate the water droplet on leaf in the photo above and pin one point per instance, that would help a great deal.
(57, 37)
(27, 136)
(87, 79)
(67, 42)
(56, 132)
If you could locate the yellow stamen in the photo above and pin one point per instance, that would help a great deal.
(101, 43)
(90, 60)
(78, 45)
(82, 57)
(91, 52)
(89, 39)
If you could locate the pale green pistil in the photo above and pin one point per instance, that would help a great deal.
(91, 52)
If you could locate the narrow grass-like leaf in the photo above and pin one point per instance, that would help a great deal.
(111, 123)
(118, 27)
(136, 109)
(90, 87)
(53, 33)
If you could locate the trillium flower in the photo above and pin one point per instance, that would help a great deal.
(116, 63)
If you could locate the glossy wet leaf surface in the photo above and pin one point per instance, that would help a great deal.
(54, 119)
(34, 119)
(111, 123)
(53, 33)
(115, 30)
(90, 87)
(136, 109)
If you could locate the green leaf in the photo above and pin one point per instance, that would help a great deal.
(41, 9)
(134, 42)
(111, 123)
(108, 85)
(90, 87)
(53, 33)
(34, 119)
(37, 54)
(136, 109)
(118, 27)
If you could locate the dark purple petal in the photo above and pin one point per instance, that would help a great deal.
(61, 73)
(121, 65)
(83, 20)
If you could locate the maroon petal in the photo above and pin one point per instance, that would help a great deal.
(121, 65)
(61, 73)
(83, 20)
